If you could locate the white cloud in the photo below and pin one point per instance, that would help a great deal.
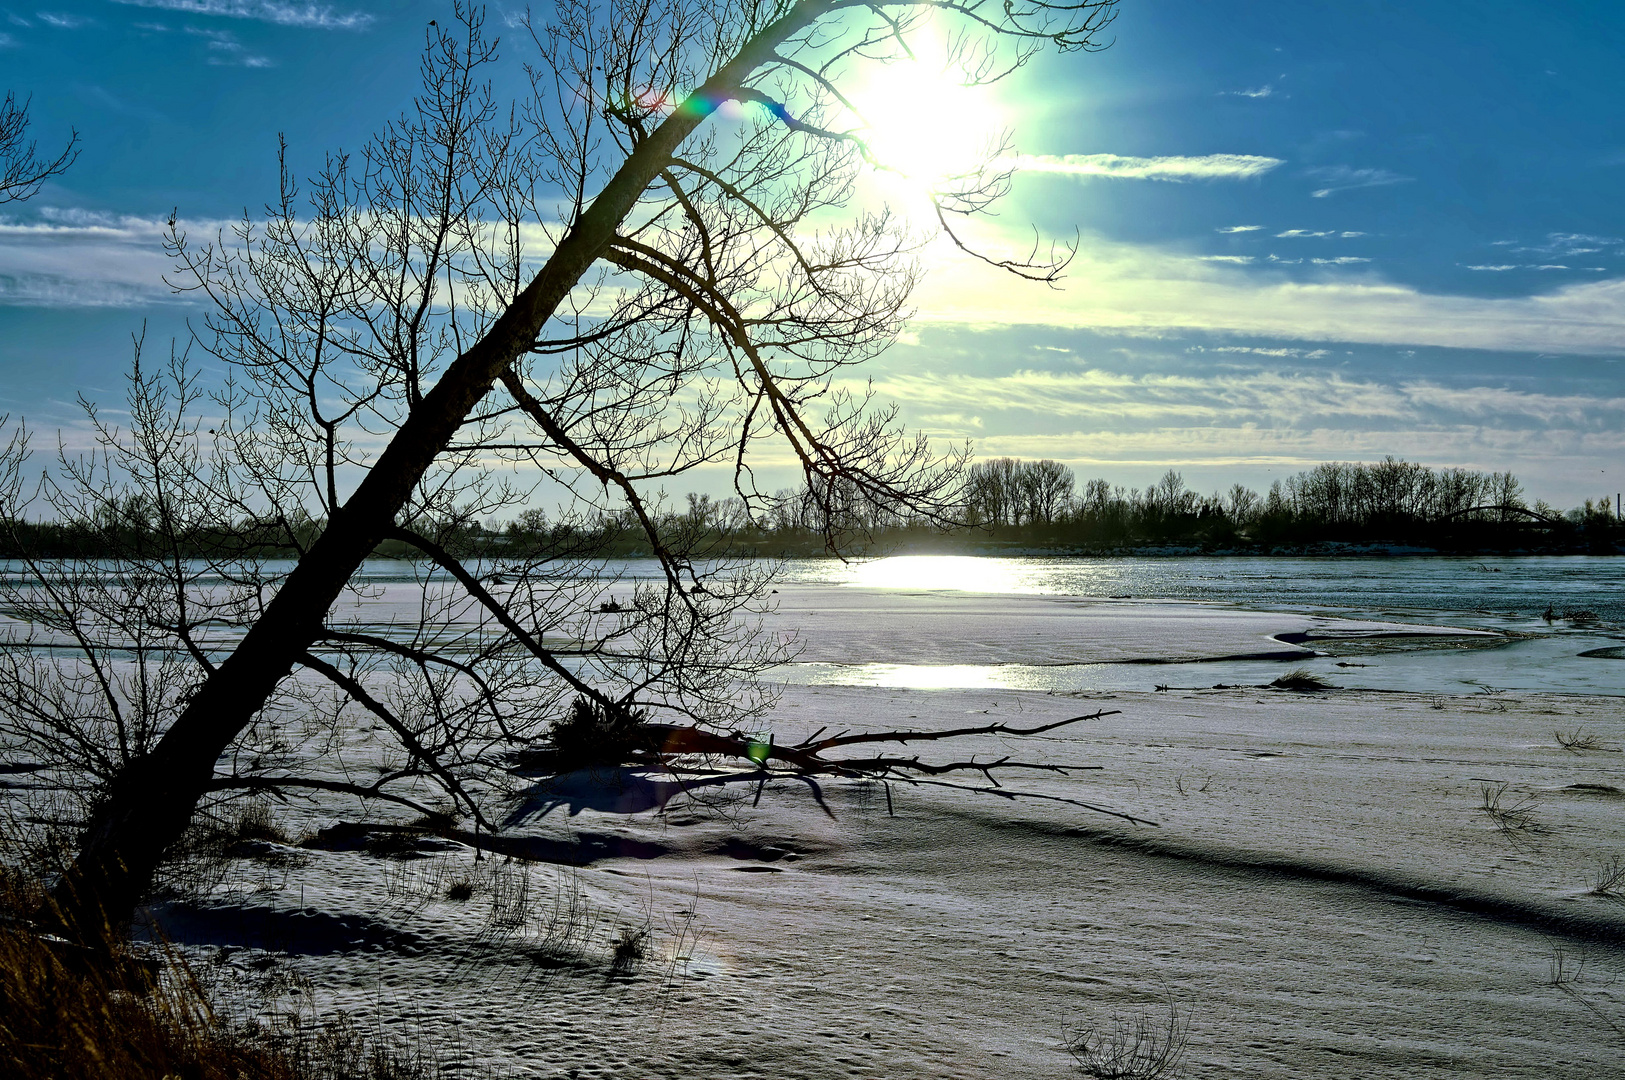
(318, 16)
(1125, 287)
(66, 257)
(953, 421)
(1264, 397)
(1227, 258)
(1341, 260)
(78, 259)
(1119, 399)
(1258, 92)
(1309, 354)
(1566, 239)
(61, 20)
(1343, 178)
(1305, 232)
(1238, 228)
(1178, 169)
(226, 51)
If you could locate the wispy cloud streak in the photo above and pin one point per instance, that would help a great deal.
(317, 16)
(77, 259)
(1343, 178)
(1177, 169)
(1129, 287)
(1264, 396)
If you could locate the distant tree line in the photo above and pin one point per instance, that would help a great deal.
(1389, 502)
(1004, 503)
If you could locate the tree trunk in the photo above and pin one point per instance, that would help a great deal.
(148, 807)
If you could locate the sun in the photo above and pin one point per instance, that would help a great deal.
(922, 123)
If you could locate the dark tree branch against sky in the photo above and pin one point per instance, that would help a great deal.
(588, 283)
(22, 166)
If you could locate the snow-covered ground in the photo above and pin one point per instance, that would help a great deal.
(1322, 895)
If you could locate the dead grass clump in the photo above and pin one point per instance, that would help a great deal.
(591, 736)
(1568, 978)
(460, 890)
(629, 949)
(1142, 1047)
(1578, 741)
(205, 858)
(510, 896)
(1609, 879)
(341, 1049)
(1513, 818)
(566, 928)
(68, 1014)
(253, 821)
(1301, 679)
(394, 844)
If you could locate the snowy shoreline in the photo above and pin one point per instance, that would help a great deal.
(1324, 894)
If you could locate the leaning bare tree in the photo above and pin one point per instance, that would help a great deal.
(601, 285)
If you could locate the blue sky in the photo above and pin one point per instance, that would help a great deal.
(1308, 231)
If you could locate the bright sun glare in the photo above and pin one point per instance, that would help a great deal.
(956, 573)
(923, 124)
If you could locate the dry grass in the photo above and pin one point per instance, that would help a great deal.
(1568, 977)
(69, 1014)
(562, 936)
(1578, 741)
(66, 1014)
(629, 949)
(1514, 818)
(1301, 679)
(1141, 1047)
(1609, 879)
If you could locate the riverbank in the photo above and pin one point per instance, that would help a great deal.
(1337, 883)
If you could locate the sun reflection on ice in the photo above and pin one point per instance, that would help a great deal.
(961, 573)
(918, 676)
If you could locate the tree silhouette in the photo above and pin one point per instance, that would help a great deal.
(22, 170)
(592, 282)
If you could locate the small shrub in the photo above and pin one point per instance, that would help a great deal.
(460, 890)
(629, 950)
(1578, 741)
(1609, 879)
(1142, 1047)
(1512, 819)
(1301, 679)
(253, 821)
(406, 843)
(591, 736)
(567, 927)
